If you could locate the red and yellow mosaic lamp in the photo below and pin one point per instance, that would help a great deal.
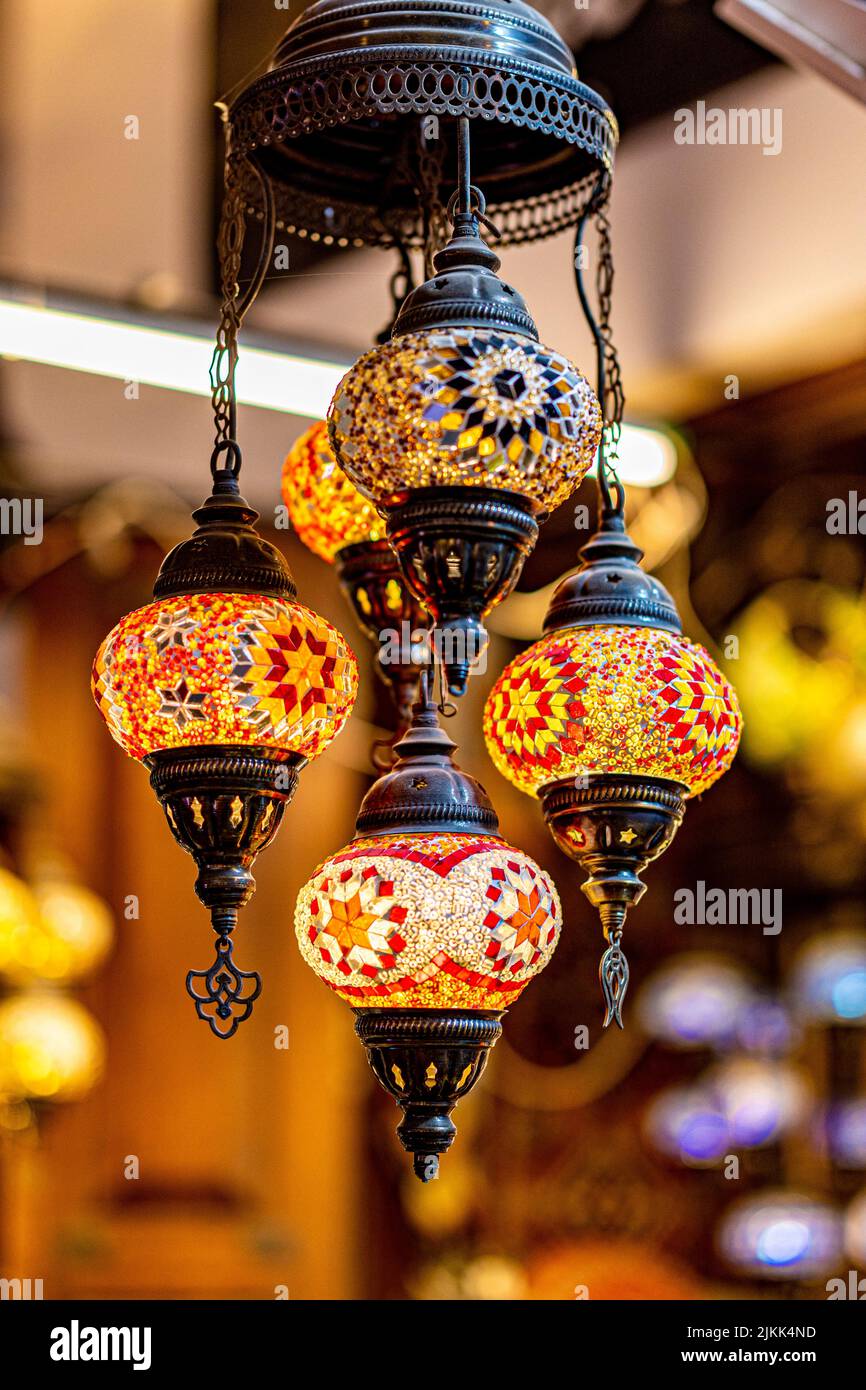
(337, 523)
(614, 719)
(224, 687)
(465, 432)
(430, 926)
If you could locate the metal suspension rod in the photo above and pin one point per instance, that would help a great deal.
(464, 177)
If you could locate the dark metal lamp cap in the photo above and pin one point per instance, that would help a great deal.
(465, 291)
(425, 791)
(505, 26)
(610, 588)
(225, 554)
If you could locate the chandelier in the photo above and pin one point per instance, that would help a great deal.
(431, 129)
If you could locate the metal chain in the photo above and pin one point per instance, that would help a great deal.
(613, 402)
(230, 245)
(609, 377)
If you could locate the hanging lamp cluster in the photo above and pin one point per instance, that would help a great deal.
(445, 448)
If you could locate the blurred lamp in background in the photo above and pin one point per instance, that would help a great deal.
(760, 1099)
(829, 979)
(843, 1132)
(781, 1235)
(855, 1229)
(687, 1124)
(20, 926)
(744, 1103)
(51, 1048)
(70, 938)
(695, 1001)
(645, 457)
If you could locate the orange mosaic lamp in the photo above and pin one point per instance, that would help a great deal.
(465, 431)
(614, 719)
(326, 510)
(430, 926)
(337, 523)
(224, 687)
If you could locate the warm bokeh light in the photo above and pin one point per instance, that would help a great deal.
(801, 677)
(855, 1228)
(76, 931)
(67, 938)
(612, 700)
(465, 407)
(224, 669)
(51, 1048)
(20, 925)
(645, 457)
(428, 921)
(326, 509)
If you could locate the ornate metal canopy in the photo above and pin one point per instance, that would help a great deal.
(334, 131)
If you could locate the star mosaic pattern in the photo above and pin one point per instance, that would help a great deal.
(222, 669)
(612, 699)
(325, 508)
(466, 407)
(428, 921)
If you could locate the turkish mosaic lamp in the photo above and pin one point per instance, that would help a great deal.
(337, 523)
(224, 687)
(465, 431)
(613, 720)
(430, 926)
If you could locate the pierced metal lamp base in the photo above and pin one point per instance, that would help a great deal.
(461, 550)
(224, 804)
(427, 1059)
(613, 826)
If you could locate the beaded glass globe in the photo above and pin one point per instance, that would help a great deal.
(428, 921)
(628, 700)
(325, 508)
(217, 668)
(466, 407)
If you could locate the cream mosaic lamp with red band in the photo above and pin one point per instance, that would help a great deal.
(430, 926)
(224, 687)
(614, 719)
